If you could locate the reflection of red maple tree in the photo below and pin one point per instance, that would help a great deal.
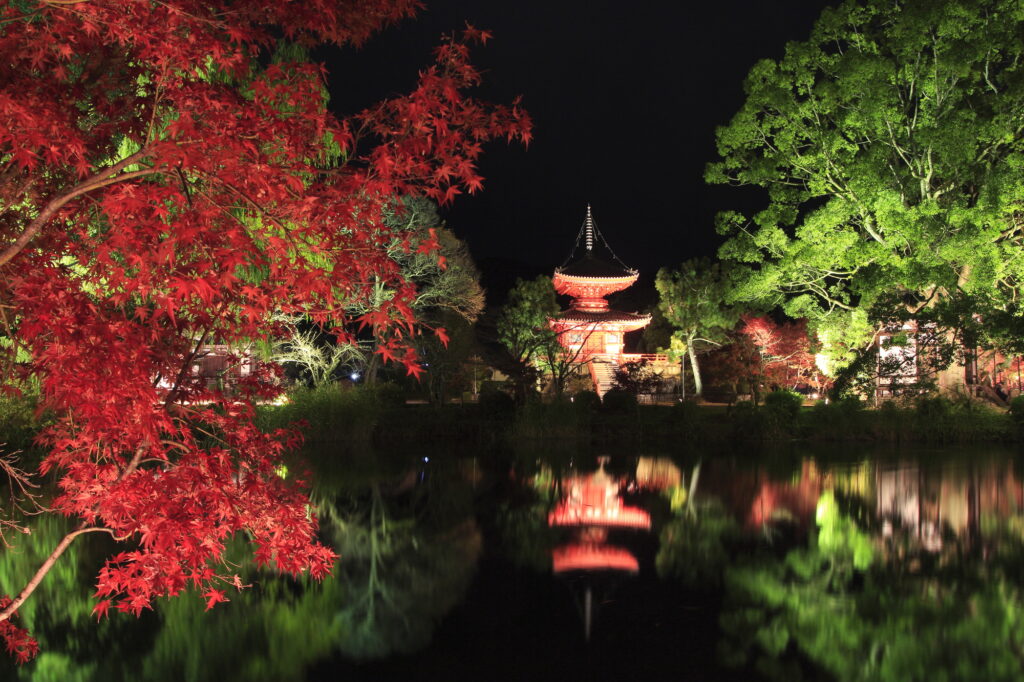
(165, 184)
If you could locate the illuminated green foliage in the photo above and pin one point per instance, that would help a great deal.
(523, 329)
(692, 299)
(444, 292)
(891, 145)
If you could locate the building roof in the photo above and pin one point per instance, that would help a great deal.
(589, 265)
(591, 256)
(627, 322)
(606, 316)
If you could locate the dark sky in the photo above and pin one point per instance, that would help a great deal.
(625, 98)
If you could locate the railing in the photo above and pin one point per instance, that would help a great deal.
(594, 378)
(659, 398)
(633, 357)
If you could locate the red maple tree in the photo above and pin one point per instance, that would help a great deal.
(783, 352)
(168, 179)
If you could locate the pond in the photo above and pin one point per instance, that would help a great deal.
(799, 564)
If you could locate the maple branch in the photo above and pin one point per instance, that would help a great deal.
(33, 583)
(172, 394)
(98, 181)
(19, 481)
(262, 210)
(136, 459)
(12, 357)
(20, 17)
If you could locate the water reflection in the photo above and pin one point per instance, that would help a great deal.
(801, 568)
(591, 505)
(922, 507)
(406, 561)
(409, 545)
(895, 570)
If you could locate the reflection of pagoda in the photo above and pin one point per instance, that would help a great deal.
(589, 328)
(591, 506)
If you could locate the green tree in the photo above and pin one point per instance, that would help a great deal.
(447, 363)
(558, 363)
(315, 354)
(693, 301)
(431, 260)
(890, 144)
(524, 332)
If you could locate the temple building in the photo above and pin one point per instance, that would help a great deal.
(590, 329)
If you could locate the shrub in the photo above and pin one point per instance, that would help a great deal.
(747, 420)
(586, 400)
(389, 395)
(331, 412)
(929, 408)
(785, 403)
(494, 402)
(687, 415)
(840, 419)
(618, 400)
(781, 414)
(1017, 410)
(555, 419)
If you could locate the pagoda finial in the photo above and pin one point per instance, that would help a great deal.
(589, 227)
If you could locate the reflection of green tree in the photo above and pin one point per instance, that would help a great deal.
(405, 561)
(525, 535)
(855, 617)
(61, 617)
(521, 519)
(694, 545)
(397, 577)
(269, 632)
(403, 565)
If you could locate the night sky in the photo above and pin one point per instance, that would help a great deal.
(625, 99)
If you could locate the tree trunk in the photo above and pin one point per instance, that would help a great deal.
(682, 377)
(372, 365)
(698, 387)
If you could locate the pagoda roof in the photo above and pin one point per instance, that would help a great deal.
(583, 317)
(584, 557)
(591, 256)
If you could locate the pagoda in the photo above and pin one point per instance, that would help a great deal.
(590, 329)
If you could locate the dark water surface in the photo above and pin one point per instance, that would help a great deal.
(809, 563)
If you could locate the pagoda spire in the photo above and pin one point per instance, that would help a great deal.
(588, 227)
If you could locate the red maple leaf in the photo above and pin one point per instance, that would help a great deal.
(214, 597)
(442, 334)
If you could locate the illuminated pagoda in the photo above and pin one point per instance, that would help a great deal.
(590, 329)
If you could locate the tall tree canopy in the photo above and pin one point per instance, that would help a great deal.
(693, 300)
(524, 331)
(438, 265)
(169, 177)
(890, 145)
(446, 289)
